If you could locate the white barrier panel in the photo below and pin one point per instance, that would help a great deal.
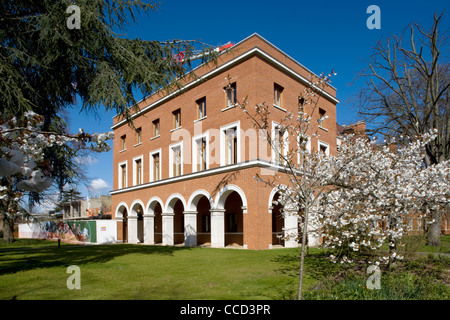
(106, 231)
(25, 231)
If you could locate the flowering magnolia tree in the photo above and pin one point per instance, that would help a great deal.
(375, 189)
(307, 172)
(356, 200)
(23, 166)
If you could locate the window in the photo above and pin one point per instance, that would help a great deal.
(301, 104)
(155, 128)
(200, 157)
(138, 171)
(123, 169)
(304, 145)
(123, 175)
(200, 153)
(201, 108)
(176, 160)
(123, 140)
(176, 118)
(138, 136)
(230, 91)
(155, 165)
(277, 95)
(324, 148)
(281, 140)
(322, 117)
(230, 144)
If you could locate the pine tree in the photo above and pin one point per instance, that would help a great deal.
(46, 65)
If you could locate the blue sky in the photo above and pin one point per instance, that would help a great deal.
(321, 35)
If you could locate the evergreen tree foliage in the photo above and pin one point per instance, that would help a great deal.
(46, 66)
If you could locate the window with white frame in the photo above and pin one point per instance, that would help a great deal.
(277, 95)
(138, 170)
(230, 144)
(156, 128)
(123, 142)
(176, 119)
(324, 148)
(323, 118)
(176, 160)
(122, 175)
(230, 93)
(200, 158)
(155, 165)
(280, 141)
(138, 136)
(201, 108)
(304, 146)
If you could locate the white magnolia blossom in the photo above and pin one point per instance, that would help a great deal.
(373, 192)
(359, 199)
(363, 197)
(22, 147)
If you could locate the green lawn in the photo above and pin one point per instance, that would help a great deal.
(32, 269)
(37, 269)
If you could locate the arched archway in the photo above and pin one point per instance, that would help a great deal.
(122, 214)
(158, 229)
(227, 225)
(277, 221)
(234, 220)
(199, 205)
(136, 222)
(195, 198)
(153, 221)
(173, 220)
(221, 197)
(178, 222)
(285, 222)
(203, 221)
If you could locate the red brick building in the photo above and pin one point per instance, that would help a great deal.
(187, 174)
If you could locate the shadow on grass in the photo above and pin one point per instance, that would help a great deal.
(15, 259)
(317, 265)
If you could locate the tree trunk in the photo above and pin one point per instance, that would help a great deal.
(8, 228)
(434, 230)
(302, 256)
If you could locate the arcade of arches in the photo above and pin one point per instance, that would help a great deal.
(201, 221)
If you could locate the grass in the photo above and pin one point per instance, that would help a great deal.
(422, 279)
(37, 269)
(424, 275)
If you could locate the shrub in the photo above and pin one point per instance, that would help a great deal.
(422, 279)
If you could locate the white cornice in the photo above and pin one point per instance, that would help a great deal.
(230, 63)
(204, 173)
